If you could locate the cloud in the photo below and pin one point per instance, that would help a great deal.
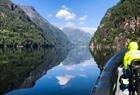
(83, 18)
(90, 30)
(65, 13)
(63, 80)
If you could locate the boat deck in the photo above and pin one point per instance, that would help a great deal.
(118, 90)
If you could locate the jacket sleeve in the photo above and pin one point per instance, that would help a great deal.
(125, 61)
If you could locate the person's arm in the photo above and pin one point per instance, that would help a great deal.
(125, 61)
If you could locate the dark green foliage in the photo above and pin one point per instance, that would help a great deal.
(19, 65)
(112, 25)
(54, 34)
(101, 56)
(16, 65)
(16, 28)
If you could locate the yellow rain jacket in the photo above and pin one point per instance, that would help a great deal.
(132, 54)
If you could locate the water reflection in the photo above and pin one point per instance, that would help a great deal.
(20, 68)
(76, 75)
(102, 55)
(77, 55)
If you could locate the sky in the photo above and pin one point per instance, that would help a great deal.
(84, 14)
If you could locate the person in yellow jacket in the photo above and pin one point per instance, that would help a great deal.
(132, 54)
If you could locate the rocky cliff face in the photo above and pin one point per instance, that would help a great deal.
(77, 37)
(54, 33)
(120, 25)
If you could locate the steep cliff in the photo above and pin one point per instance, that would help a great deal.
(16, 28)
(54, 33)
(120, 25)
(21, 28)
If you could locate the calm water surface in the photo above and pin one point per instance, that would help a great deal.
(56, 72)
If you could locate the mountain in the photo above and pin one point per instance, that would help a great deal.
(16, 28)
(54, 33)
(77, 36)
(19, 29)
(120, 25)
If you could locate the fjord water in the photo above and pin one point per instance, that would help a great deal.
(48, 72)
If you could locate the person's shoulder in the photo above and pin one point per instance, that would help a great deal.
(127, 52)
(131, 52)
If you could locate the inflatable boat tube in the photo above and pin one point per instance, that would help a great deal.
(106, 83)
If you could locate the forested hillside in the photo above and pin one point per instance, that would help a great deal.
(120, 25)
(54, 34)
(18, 30)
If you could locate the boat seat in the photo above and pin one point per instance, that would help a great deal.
(135, 67)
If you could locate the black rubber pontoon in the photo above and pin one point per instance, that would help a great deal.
(106, 83)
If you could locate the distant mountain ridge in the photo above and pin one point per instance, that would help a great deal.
(77, 36)
(55, 34)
